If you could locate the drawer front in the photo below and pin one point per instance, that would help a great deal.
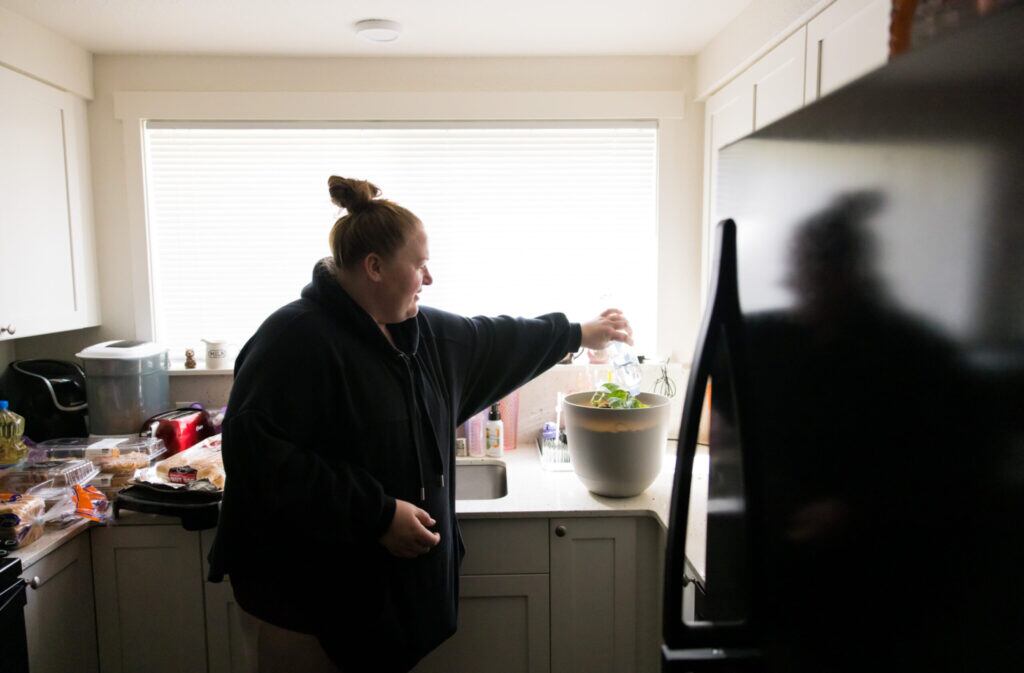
(504, 546)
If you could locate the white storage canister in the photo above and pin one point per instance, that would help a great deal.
(126, 383)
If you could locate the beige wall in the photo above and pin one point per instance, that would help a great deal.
(227, 74)
(762, 25)
(39, 52)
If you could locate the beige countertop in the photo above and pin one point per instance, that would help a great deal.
(532, 491)
(51, 539)
(535, 491)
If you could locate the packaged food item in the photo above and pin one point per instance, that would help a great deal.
(20, 519)
(182, 475)
(120, 455)
(126, 464)
(204, 458)
(12, 428)
(91, 504)
(110, 484)
(24, 476)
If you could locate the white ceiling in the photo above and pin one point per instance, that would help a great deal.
(430, 27)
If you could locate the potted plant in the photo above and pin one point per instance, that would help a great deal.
(616, 439)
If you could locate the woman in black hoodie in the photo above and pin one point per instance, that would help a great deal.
(338, 518)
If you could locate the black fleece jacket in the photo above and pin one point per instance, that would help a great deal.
(327, 425)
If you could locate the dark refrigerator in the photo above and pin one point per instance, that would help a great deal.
(864, 339)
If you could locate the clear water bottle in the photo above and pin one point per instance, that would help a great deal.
(626, 366)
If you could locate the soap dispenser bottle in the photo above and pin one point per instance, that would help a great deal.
(494, 431)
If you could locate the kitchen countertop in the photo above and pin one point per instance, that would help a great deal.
(532, 492)
(535, 491)
(51, 539)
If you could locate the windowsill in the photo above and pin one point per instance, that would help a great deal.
(178, 369)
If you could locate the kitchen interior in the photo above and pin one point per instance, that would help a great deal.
(809, 209)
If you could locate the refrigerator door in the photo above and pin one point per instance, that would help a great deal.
(878, 369)
(713, 627)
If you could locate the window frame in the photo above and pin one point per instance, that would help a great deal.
(663, 108)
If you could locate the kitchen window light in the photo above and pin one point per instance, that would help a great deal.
(523, 218)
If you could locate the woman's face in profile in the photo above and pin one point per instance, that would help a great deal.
(404, 275)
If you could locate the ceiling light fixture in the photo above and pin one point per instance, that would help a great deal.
(378, 30)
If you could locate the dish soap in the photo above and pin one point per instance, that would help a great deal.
(12, 427)
(494, 431)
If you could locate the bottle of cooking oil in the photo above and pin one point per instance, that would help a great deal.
(12, 427)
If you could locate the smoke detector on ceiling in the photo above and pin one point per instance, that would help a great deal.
(378, 30)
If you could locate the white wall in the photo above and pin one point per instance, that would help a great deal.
(242, 74)
(762, 25)
(29, 48)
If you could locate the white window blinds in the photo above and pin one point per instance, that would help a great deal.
(522, 219)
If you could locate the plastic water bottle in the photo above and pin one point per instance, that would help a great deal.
(626, 366)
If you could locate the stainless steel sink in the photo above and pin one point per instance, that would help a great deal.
(483, 480)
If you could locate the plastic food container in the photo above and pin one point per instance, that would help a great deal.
(126, 383)
(118, 455)
(111, 484)
(49, 493)
(24, 476)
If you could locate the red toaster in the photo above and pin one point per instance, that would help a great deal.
(179, 429)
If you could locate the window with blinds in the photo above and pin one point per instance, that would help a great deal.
(522, 219)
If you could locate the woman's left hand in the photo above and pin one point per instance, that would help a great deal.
(611, 325)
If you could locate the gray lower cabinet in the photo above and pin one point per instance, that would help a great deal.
(594, 595)
(149, 599)
(568, 595)
(59, 614)
(230, 632)
(504, 602)
(503, 628)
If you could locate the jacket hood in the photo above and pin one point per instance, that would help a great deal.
(326, 291)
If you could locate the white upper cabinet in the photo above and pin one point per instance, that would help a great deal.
(769, 89)
(846, 40)
(849, 39)
(778, 80)
(47, 250)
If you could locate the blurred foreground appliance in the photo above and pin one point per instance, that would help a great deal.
(49, 394)
(126, 382)
(864, 340)
(14, 653)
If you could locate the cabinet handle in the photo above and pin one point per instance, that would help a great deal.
(10, 329)
(35, 583)
(560, 531)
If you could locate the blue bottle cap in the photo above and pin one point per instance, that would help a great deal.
(4, 404)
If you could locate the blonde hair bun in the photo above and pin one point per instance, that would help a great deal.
(351, 194)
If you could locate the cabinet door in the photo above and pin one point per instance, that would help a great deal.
(149, 599)
(59, 615)
(847, 40)
(728, 116)
(231, 634)
(778, 80)
(593, 595)
(35, 228)
(505, 546)
(503, 628)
